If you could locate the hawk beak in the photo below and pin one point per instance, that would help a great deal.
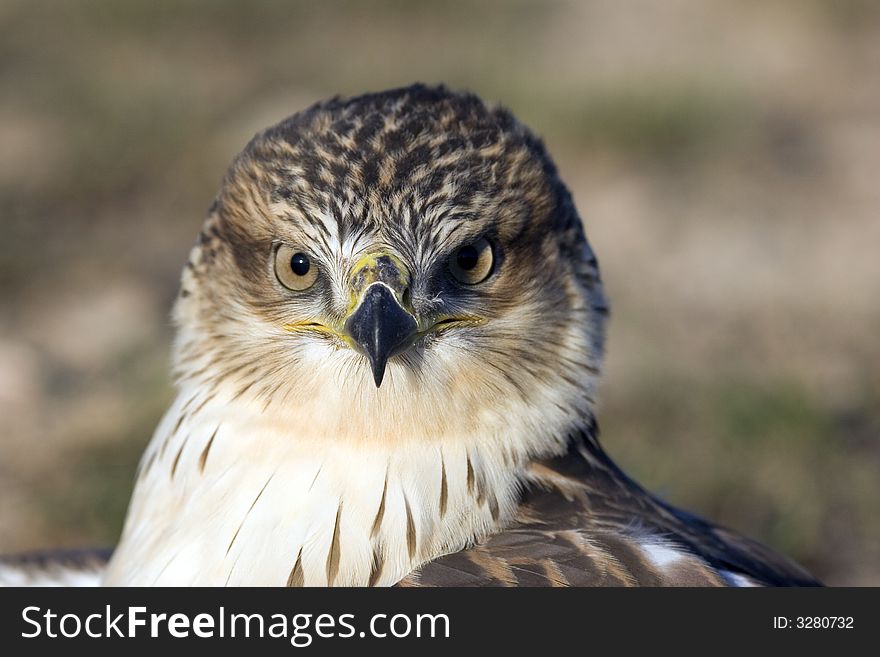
(380, 326)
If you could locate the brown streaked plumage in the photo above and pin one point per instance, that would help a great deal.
(411, 537)
(203, 457)
(296, 574)
(380, 512)
(444, 488)
(335, 548)
(581, 523)
(393, 307)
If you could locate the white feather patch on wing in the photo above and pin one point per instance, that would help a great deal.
(737, 579)
(14, 575)
(662, 555)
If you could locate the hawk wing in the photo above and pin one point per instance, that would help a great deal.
(583, 522)
(55, 568)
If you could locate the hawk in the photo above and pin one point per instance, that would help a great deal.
(390, 337)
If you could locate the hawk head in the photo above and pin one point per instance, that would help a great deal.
(393, 266)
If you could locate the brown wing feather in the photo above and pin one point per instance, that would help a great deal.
(581, 522)
(54, 568)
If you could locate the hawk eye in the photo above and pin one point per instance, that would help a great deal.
(299, 263)
(467, 257)
(294, 269)
(472, 263)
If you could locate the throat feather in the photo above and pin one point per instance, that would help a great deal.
(253, 504)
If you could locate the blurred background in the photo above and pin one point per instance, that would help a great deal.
(724, 154)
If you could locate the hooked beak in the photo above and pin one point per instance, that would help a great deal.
(380, 328)
(378, 324)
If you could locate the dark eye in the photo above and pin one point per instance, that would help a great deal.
(472, 263)
(294, 269)
(467, 258)
(300, 264)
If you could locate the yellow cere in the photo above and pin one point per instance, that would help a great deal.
(369, 269)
